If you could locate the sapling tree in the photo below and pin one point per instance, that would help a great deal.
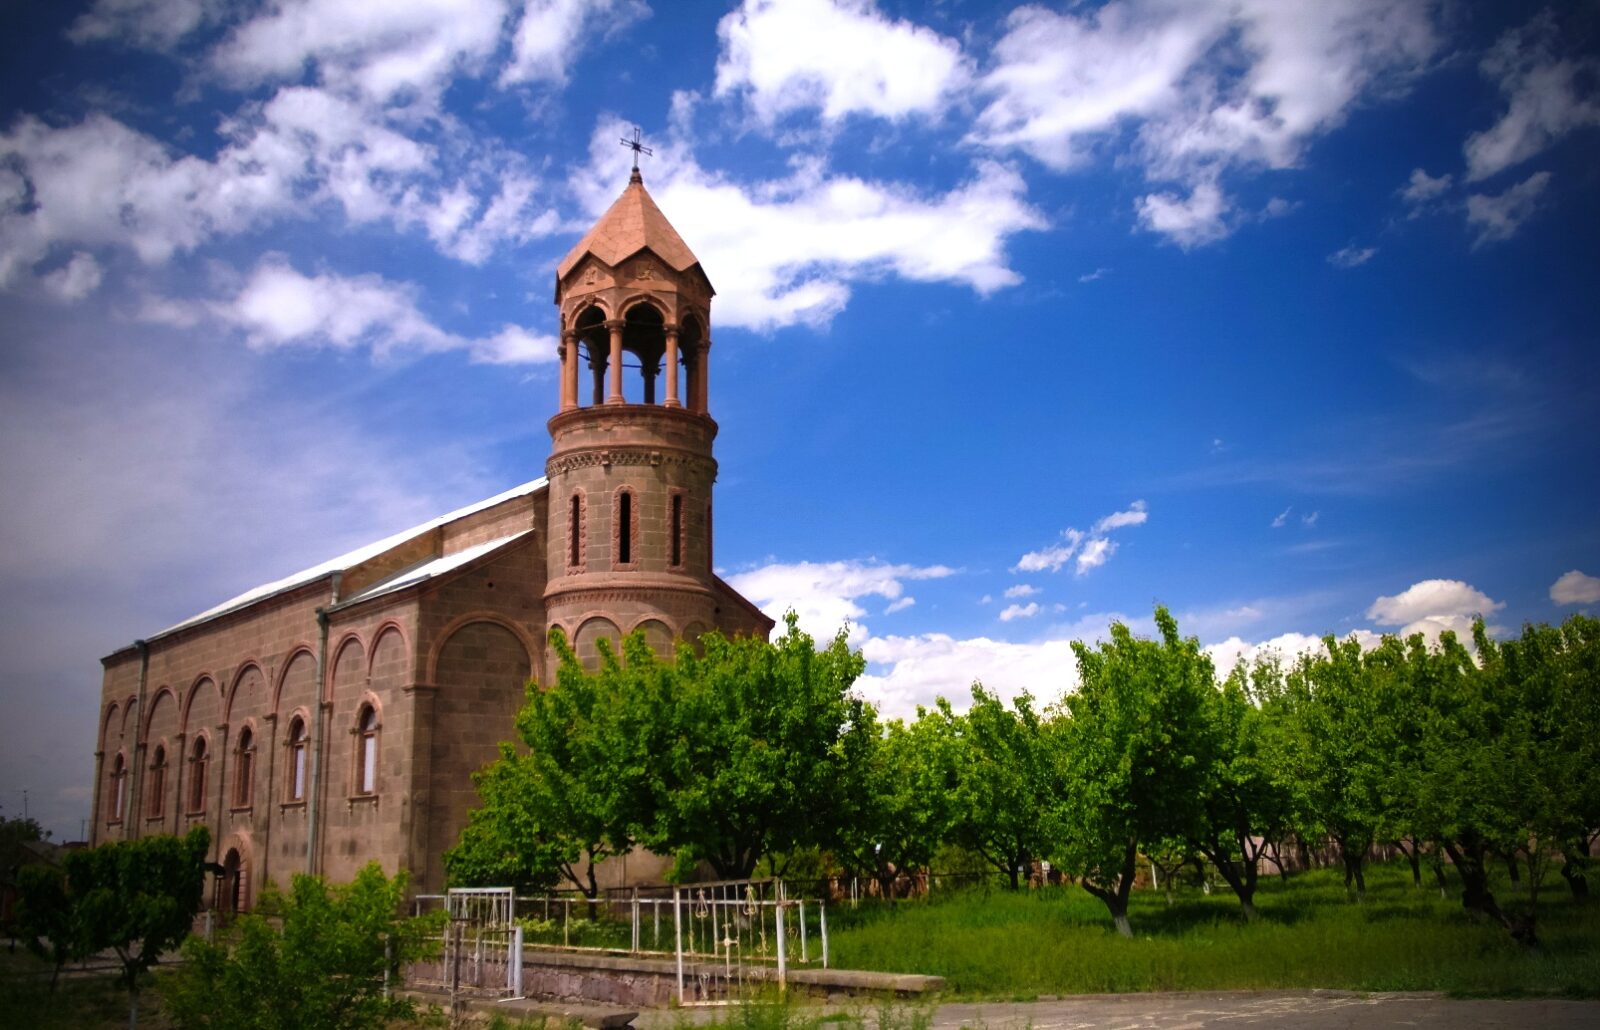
(1128, 754)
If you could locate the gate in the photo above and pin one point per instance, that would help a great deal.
(480, 946)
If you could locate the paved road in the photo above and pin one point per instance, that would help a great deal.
(1302, 1010)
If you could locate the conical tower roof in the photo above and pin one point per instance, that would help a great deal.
(631, 224)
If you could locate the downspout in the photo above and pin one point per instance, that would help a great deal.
(313, 812)
(133, 817)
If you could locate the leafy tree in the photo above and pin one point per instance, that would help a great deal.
(1000, 768)
(137, 898)
(899, 786)
(741, 751)
(1129, 754)
(316, 958)
(505, 843)
(45, 918)
(1241, 804)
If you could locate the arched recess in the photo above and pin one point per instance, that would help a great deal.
(111, 729)
(161, 729)
(585, 643)
(248, 696)
(203, 707)
(297, 683)
(659, 636)
(349, 671)
(390, 666)
(481, 671)
(644, 336)
(594, 344)
(235, 886)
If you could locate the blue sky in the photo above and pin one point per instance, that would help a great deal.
(1029, 317)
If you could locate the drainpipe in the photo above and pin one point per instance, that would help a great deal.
(133, 814)
(313, 812)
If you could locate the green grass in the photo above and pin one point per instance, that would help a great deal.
(997, 944)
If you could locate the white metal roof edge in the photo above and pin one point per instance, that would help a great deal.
(431, 568)
(346, 560)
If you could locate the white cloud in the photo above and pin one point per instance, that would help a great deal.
(905, 672)
(1202, 86)
(784, 252)
(151, 24)
(1098, 273)
(1310, 520)
(1422, 187)
(825, 595)
(1022, 590)
(551, 34)
(1432, 606)
(399, 50)
(1019, 611)
(1499, 217)
(279, 306)
(838, 57)
(74, 280)
(1191, 222)
(900, 604)
(1282, 517)
(1575, 588)
(1091, 549)
(1351, 256)
(1136, 515)
(1547, 97)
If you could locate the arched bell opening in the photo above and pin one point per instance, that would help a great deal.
(691, 348)
(594, 343)
(644, 336)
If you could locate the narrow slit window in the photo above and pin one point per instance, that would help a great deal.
(677, 529)
(297, 760)
(158, 783)
(244, 767)
(367, 752)
(625, 528)
(197, 776)
(118, 775)
(574, 528)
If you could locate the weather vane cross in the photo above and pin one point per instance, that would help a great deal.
(637, 147)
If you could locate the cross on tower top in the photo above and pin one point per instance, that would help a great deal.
(637, 148)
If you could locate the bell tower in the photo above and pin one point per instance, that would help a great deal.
(630, 467)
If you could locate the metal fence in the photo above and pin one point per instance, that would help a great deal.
(480, 944)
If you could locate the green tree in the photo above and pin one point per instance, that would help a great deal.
(316, 958)
(1000, 762)
(1129, 753)
(45, 918)
(137, 898)
(899, 782)
(742, 750)
(1241, 804)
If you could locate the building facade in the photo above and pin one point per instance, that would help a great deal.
(335, 716)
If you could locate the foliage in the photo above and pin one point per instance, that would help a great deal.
(900, 789)
(999, 760)
(1129, 751)
(316, 958)
(137, 898)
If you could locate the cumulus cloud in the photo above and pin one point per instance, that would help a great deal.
(149, 24)
(74, 280)
(834, 229)
(1547, 97)
(900, 604)
(1019, 611)
(1091, 549)
(1351, 256)
(826, 595)
(1200, 87)
(279, 306)
(551, 33)
(1021, 590)
(1422, 187)
(907, 671)
(1575, 588)
(1285, 648)
(1433, 606)
(1498, 217)
(837, 57)
(1282, 517)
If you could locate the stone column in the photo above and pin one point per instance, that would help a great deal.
(615, 396)
(672, 367)
(702, 374)
(569, 370)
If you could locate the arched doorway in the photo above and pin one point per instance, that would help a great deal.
(234, 883)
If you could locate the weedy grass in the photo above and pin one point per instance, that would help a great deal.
(1308, 933)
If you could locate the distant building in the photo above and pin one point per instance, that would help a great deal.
(335, 716)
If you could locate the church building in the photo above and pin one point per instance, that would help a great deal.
(335, 716)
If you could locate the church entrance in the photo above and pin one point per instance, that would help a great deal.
(233, 883)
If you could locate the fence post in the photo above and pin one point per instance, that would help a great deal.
(804, 957)
(783, 965)
(516, 962)
(388, 962)
(822, 914)
(677, 934)
(636, 919)
(455, 965)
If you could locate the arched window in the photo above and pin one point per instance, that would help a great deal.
(199, 759)
(575, 532)
(367, 751)
(156, 790)
(244, 769)
(119, 775)
(625, 527)
(298, 752)
(677, 530)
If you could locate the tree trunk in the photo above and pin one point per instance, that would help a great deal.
(1414, 856)
(1354, 876)
(1572, 870)
(1513, 867)
(1470, 862)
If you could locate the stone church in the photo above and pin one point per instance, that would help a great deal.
(335, 716)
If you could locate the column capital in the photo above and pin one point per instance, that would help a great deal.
(615, 323)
